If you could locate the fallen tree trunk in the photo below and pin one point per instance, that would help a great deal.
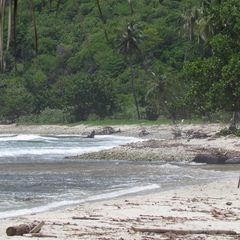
(21, 229)
(184, 232)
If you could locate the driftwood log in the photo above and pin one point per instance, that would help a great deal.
(184, 232)
(91, 135)
(21, 229)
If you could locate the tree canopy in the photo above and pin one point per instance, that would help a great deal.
(107, 59)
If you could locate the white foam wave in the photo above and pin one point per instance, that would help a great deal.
(56, 205)
(57, 145)
(44, 208)
(123, 192)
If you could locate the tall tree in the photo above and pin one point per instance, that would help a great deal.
(188, 25)
(217, 77)
(128, 45)
(163, 85)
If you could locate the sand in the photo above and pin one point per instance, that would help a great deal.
(213, 206)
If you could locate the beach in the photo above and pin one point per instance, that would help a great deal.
(212, 210)
(215, 206)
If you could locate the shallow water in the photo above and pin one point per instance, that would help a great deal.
(35, 175)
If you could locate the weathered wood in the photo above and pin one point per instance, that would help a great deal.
(21, 229)
(39, 235)
(37, 228)
(239, 182)
(85, 218)
(184, 232)
(91, 135)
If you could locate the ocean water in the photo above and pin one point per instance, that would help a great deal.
(36, 176)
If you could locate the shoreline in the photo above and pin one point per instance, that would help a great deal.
(212, 206)
(159, 144)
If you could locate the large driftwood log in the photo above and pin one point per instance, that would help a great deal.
(21, 229)
(184, 232)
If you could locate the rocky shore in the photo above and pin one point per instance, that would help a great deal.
(159, 142)
(170, 143)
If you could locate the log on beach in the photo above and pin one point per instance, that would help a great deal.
(24, 228)
(185, 232)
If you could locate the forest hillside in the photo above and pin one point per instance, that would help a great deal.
(74, 61)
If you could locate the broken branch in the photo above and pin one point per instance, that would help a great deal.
(184, 232)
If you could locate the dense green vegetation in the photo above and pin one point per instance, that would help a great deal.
(109, 59)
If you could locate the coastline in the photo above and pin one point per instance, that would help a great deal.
(213, 206)
(159, 144)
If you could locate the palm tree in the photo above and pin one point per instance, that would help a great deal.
(188, 25)
(128, 45)
(11, 7)
(3, 50)
(164, 86)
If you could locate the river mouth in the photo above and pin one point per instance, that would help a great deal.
(35, 175)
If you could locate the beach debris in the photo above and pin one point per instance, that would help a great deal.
(239, 182)
(177, 131)
(39, 235)
(193, 133)
(85, 218)
(185, 231)
(143, 133)
(107, 130)
(24, 228)
(28, 230)
(91, 135)
(102, 131)
(37, 228)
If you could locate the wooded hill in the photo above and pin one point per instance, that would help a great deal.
(78, 60)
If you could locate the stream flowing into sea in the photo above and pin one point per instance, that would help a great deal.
(37, 173)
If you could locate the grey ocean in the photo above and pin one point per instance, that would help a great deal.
(36, 176)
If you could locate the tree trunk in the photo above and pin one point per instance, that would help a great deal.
(20, 229)
(234, 118)
(133, 89)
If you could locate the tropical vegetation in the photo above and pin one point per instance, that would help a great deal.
(148, 59)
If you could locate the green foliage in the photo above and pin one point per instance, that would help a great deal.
(79, 72)
(215, 80)
(227, 131)
(82, 95)
(15, 100)
(47, 116)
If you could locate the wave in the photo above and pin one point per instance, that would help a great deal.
(60, 204)
(66, 145)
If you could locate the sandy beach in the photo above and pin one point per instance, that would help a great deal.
(211, 210)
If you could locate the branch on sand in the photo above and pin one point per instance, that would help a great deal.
(184, 232)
